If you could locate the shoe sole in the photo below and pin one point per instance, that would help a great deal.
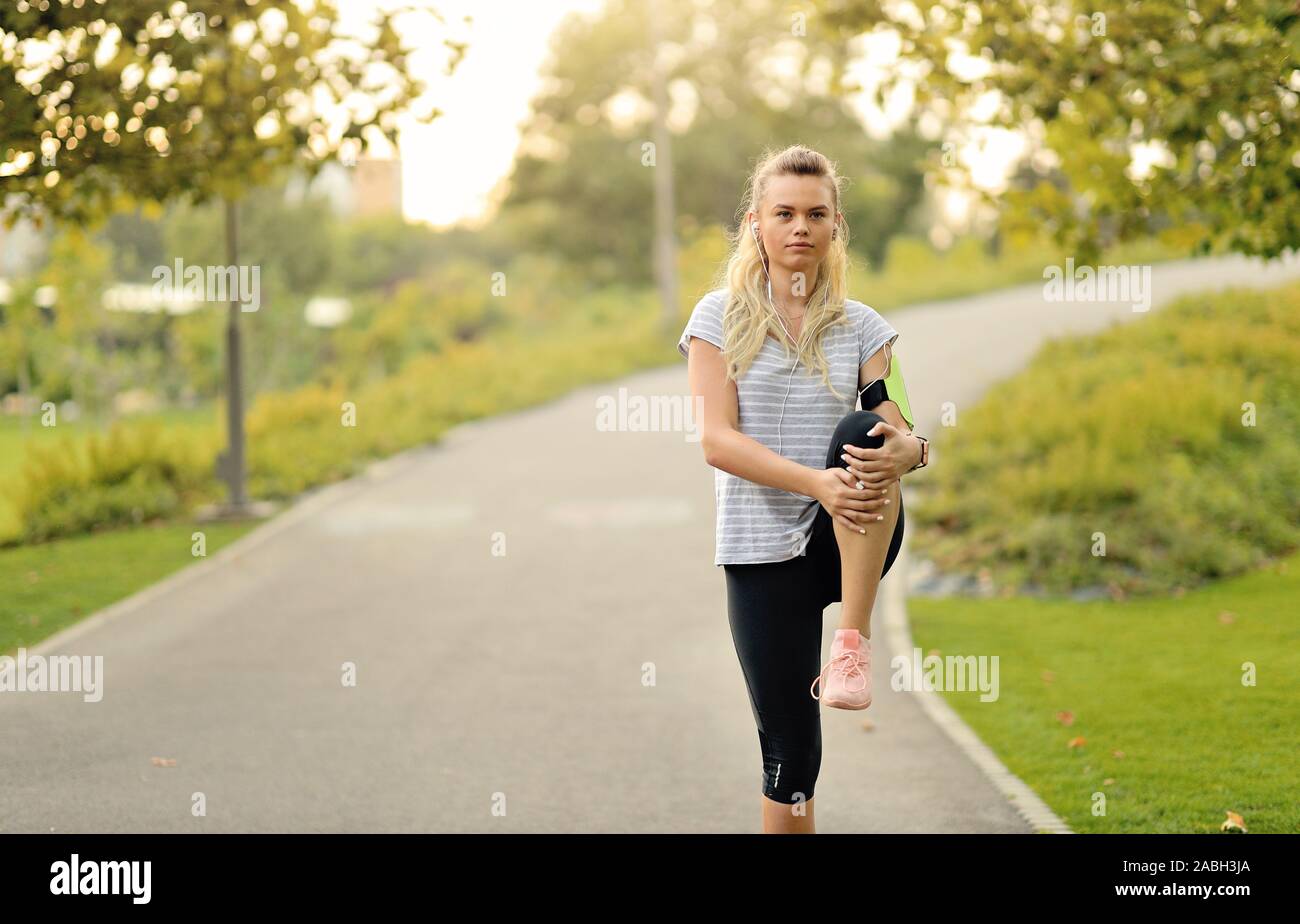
(841, 704)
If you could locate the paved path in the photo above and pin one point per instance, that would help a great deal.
(484, 677)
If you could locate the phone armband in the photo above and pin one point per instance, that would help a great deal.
(890, 388)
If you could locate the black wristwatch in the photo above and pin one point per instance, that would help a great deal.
(925, 453)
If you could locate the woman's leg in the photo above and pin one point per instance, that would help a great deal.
(776, 624)
(863, 557)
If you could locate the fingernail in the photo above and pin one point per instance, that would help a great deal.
(880, 516)
(844, 456)
(886, 500)
(863, 531)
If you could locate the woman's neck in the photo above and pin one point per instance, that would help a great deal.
(783, 291)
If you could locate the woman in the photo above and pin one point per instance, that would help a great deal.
(809, 506)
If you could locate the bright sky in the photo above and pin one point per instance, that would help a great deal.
(450, 167)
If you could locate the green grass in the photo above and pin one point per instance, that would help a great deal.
(53, 585)
(1159, 680)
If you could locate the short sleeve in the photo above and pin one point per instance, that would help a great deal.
(705, 323)
(873, 333)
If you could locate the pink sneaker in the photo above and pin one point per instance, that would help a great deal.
(846, 678)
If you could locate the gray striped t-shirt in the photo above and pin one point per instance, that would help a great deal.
(757, 523)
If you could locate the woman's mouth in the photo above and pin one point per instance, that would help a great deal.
(800, 244)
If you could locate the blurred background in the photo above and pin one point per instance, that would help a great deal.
(458, 209)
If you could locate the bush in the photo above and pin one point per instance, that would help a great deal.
(1138, 435)
(135, 472)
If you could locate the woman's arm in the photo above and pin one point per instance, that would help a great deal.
(725, 447)
(878, 367)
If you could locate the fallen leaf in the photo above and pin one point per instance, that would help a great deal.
(163, 761)
(868, 725)
(1234, 822)
(1109, 781)
(1048, 676)
(1076, 742)
(1065, 718)
(1118, 755)
(1226, 617)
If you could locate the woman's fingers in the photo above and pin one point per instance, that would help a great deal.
(876, 476)
(869, 477)
(862, 494)
(860, 522)
(857, 517)
(859, 507)
(864, 490)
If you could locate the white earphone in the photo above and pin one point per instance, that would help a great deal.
(753, 226)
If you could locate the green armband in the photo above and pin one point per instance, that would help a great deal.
(897, 392)
(890, 388)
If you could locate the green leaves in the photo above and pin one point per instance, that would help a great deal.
(1216, 77)
(154, 99)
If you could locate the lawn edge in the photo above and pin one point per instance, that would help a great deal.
(898, 634)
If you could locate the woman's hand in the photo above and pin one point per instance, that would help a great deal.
(877, 468)
(851, 506)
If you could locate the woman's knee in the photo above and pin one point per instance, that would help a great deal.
(852, 429)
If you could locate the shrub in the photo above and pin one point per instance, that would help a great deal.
(134, 472)
(1137, 435)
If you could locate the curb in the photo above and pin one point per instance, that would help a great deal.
(898, 633)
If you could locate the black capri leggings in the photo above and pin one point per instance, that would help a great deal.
(775, 611)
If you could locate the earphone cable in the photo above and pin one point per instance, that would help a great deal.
(780, 442)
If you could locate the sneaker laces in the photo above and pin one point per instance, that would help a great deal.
(850, 661)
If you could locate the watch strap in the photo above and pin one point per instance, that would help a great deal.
(925, 453)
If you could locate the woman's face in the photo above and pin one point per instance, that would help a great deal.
(795, 222)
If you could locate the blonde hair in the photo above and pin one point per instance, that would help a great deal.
(748, 315)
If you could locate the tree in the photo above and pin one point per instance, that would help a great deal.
(1209, 89)
(156, 99)
(740, 77)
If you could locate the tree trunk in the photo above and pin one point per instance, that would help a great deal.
(232, 464)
